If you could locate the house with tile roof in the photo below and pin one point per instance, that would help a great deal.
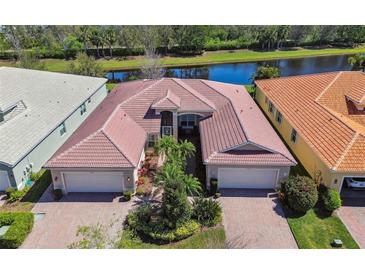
(239, 147)
(321, 117)
(39, 110)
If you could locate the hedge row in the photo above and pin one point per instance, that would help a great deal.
(21, 223)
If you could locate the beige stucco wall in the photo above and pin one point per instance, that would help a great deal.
(40, 154)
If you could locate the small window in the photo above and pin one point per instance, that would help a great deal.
(266, 100)
(293, 136)
(152, 138)
(82, 108)
(271, 107)
(62, 129)
(279, 117)
(187, 121)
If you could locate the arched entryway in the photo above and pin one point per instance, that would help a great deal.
(166, 123)
(188, 123)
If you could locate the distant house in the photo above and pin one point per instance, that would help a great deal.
(322, 119)
(38, 112)
(239, 147)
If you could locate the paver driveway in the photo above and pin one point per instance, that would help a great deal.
(58, 227)
(255, 219)
(352, 214)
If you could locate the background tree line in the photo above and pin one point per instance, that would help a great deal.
(111, 41)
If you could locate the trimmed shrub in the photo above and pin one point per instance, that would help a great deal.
(332, 200)
(127, 195)
(57, 194)
(213, 186)
(184, 231)
(9, 191)
(147, 221)
(21, 223)
(207, 211)
(16, 195)
(300, 193)
(34, 176)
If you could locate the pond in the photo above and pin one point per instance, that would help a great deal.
(241, 73)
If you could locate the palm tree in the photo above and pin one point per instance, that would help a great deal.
(192, 185)
(186, 149)
(357, 62)
(169, 173)
(166, 145)
(110, 38)
(96, 39)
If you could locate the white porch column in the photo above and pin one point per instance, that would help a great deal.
(174, 124)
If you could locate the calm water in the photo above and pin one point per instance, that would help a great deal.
(241, 73)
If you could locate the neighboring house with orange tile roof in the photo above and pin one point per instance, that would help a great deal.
(322, 119)
(239, 147)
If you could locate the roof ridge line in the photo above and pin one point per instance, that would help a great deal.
(139, 92)
(117, 147)
(234, 109)
(195, 93)
(76, 145)
(328, 86)
(347, 149)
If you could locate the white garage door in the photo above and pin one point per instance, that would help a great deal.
(247, 178)
(4, 180)
(94, 181)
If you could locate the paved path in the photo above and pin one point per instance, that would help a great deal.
(352, 214)
(59, 226)
(254, 219)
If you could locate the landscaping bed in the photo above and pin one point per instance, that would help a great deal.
(20, 224)
(310, 208)
(32, 195)
(212, 238)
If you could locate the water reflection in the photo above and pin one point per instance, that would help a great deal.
(241, 73)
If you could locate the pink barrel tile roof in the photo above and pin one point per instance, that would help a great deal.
(249, 158)
(121, 122)
(118, 143)
(318, 107)
(237, 123)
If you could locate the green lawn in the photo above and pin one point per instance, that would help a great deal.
(316, 229)
(211, 238)
(32, 196)
(110, 86)
(212, 57)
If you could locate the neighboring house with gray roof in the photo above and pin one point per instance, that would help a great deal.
(239, 147)
(38, 111)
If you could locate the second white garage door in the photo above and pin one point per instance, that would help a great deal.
(247, 178)
(94, 181)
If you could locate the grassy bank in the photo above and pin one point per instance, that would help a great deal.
(213, 57)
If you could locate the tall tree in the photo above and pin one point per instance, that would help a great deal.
(95, 37)
(282, 34)
(83, 35)
(111, 38)
(85, 65)
(357, 62)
